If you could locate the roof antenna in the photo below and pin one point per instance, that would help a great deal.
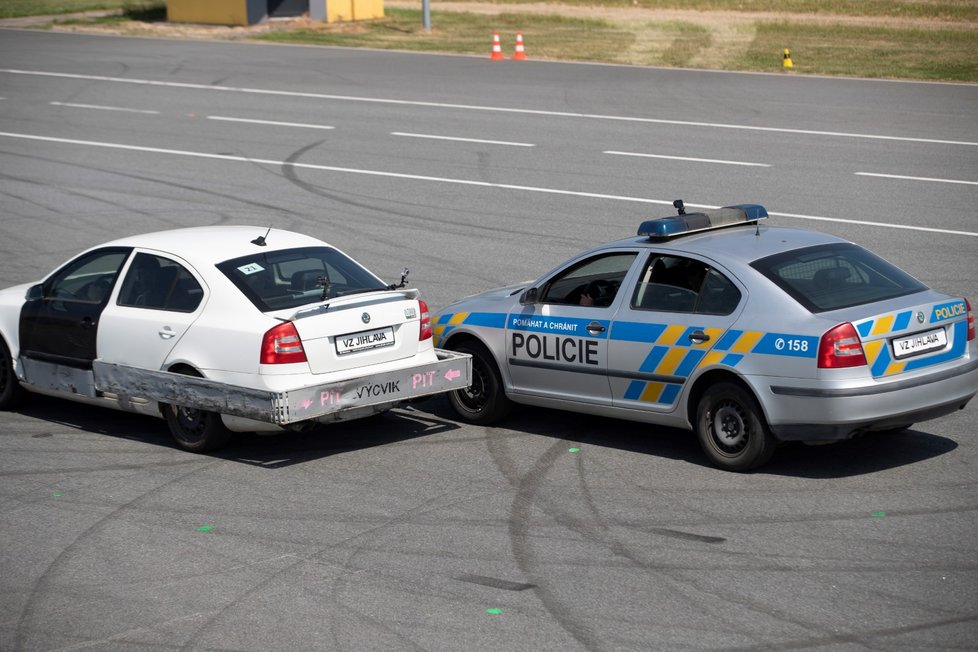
(679, 206)
(260, 240)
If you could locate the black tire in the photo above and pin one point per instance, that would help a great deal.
(484, 401)
(197, 431)
(732, 430)
(11, 393)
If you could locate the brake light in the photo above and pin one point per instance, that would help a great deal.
(971, 320)
(840, 347)
(281, 345)
(426, 332)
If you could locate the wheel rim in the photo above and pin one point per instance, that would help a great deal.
(193, 423)
(475, 398)
(728, 427)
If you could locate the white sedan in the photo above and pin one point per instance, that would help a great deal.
(221, 329)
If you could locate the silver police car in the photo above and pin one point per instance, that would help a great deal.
(749, 335)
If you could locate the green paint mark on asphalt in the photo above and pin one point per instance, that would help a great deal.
(205, 528)
(878, 514)
(57, 494)
(494, 611)
(573, 450)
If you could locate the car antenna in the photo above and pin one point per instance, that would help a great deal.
(404, 275)
(679, 206)
(260, 240)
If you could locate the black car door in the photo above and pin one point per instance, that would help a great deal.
(59, 320)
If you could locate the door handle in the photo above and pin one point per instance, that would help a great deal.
(698, 337)
(166, 333)
(595, 327)
(87, 323)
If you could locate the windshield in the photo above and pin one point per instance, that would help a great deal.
(277, 280)
(829, 277)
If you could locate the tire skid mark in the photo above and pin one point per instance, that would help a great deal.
(291, 174)
(43, 584)
(520, 523)
(312, 558)
(863, 638)
(340, 581)
(528, 486)
(664, 574)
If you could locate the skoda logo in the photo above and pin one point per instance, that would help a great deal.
(366, 317)
(920, 316)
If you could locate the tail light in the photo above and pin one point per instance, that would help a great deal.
(281, 345)
(840, 347)
(426, 332)
(971, 320)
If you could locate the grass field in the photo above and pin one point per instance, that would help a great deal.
(905, 39)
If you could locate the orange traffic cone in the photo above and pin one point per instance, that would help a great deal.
(497, 50)
(520, 53)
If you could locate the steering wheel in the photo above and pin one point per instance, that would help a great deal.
(598, 289)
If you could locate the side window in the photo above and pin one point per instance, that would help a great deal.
(718, 296)
(159, 283)
(89, 279)
(593, 282)
(677, 284)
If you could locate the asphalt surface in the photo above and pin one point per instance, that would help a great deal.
(410, 531)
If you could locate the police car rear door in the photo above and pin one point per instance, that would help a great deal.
(557, 344)
(671, 317)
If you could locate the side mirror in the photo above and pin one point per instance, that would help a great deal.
(35, 292)
(529, 297)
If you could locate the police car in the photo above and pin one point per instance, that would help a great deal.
(220, 329)
(749, 335)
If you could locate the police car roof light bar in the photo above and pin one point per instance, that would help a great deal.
(676, 225)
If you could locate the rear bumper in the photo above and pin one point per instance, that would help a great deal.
(451, 371)
(820, 413)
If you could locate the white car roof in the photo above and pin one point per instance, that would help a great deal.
(207, 245)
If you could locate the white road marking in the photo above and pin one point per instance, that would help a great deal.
(462, 140)
(471, 107)
(686, 158)
(463, 182)
(900, 176)
(269, 122)
(99, 107)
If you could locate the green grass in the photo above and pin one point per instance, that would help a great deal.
(19, 8)
(964, 10)
(865, 51)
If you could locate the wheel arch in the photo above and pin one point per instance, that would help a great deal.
(712, 377)
(457, 337)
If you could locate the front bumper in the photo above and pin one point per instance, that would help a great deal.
(452, 371)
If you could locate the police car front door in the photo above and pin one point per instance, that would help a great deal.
(557, 347)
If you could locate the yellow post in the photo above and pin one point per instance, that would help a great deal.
(787, 59)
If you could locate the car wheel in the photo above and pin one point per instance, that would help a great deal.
(11, 393)
(731, 428)
(197, 431)
(484, 401)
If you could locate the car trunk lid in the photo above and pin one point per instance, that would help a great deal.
(909, 339)
(359, 330)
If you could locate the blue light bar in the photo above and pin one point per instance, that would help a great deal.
(670, 227)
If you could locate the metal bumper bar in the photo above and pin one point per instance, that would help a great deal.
(452, 371)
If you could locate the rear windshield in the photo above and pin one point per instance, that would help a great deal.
(829, 277)
(277, 280)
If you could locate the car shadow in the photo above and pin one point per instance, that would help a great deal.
(870, 453)
(269, 451)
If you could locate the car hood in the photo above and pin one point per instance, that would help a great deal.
(495, 295)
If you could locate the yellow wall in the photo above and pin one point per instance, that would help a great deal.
(216, 12)
(345, 10)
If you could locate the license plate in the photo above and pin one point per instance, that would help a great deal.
(904, 347)
(364, 341)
